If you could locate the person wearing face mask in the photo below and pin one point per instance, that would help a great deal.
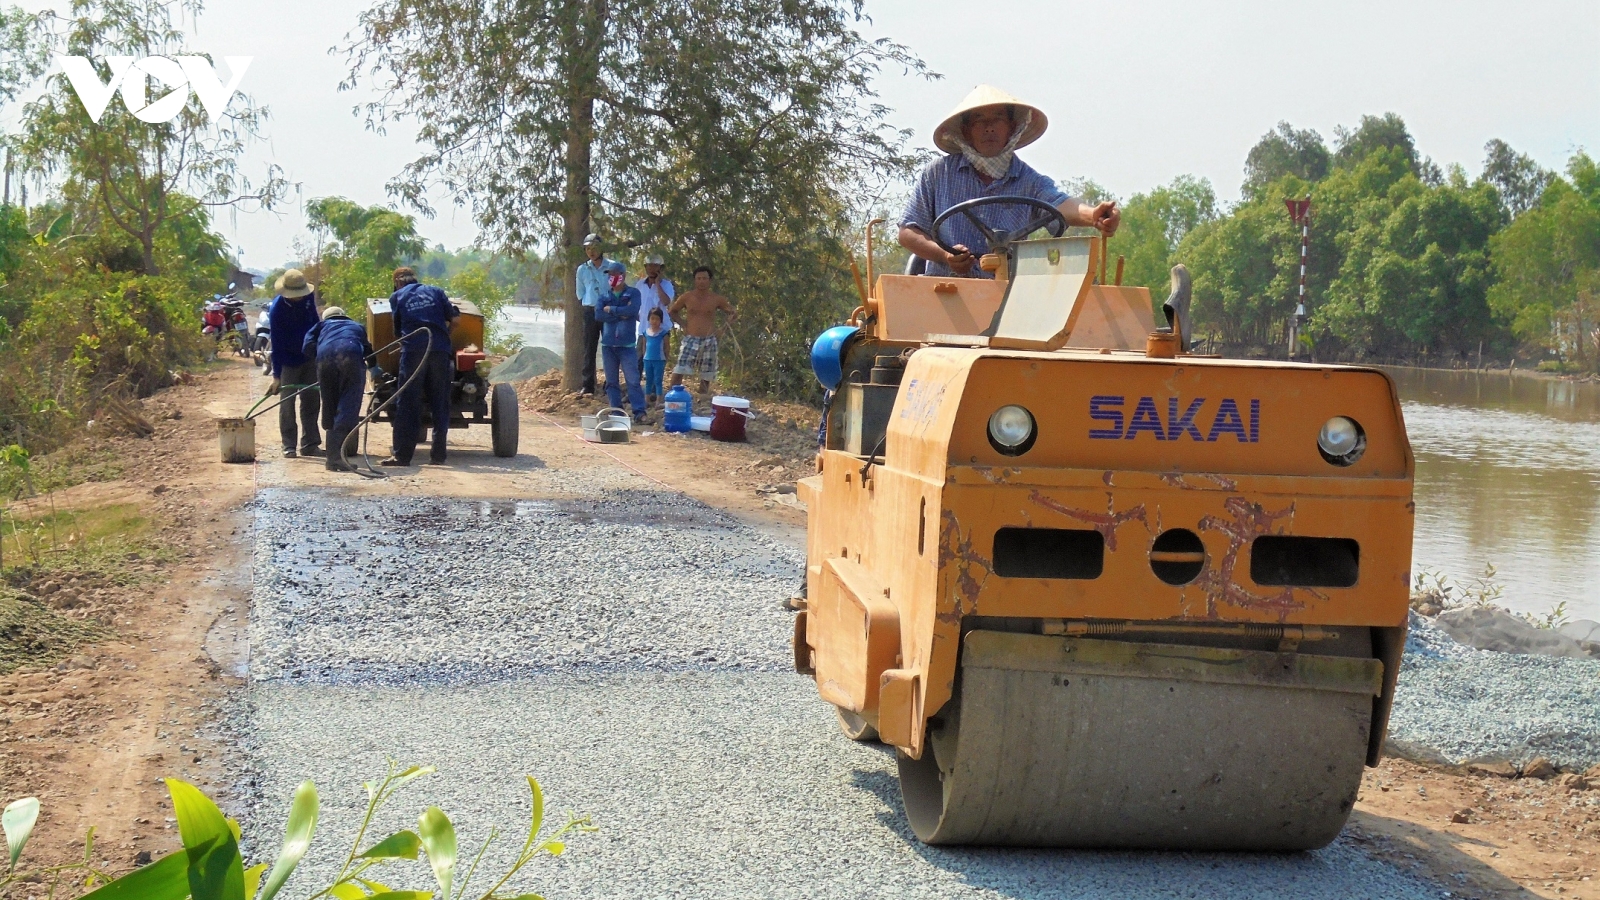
(617, 311)
(981, 137)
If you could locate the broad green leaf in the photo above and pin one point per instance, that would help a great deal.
(400, 845)
(17, 822)
(216, 872)
(375, 887)
(165, 879)
(58, 227)
(554, 848)
(344, 890)
(233, 826)
(296, 837)
(403, 895)
(252, 879)
(439, 840)
(538, 810)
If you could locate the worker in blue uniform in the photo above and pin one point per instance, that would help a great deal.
(339, 345)
(426, 310)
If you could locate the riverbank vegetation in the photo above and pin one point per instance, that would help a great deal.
(1408, 261)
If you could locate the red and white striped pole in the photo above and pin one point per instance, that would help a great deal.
(1300, 214)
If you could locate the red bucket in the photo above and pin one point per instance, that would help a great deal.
(727, 418)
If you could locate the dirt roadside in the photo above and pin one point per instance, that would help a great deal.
(94, 735)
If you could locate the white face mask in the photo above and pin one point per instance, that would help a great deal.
(998, 165)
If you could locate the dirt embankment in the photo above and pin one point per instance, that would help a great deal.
(160, 587)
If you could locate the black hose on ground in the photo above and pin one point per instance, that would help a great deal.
(366, 421)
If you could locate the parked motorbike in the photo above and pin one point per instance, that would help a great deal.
(261, 344)
(222, 317)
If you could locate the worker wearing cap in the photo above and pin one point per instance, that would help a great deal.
(422, 316)
(339, 345)
(592, 284)
(293, 313)
(981, 137)
(656, 291)
(618, 314)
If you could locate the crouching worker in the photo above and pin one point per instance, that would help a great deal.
(425, 310)
(339, 345)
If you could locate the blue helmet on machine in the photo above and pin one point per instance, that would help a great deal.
(827, 355)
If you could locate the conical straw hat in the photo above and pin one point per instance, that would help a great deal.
(944, 137)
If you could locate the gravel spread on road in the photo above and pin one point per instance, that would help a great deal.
(1468, 704)
(625, 646)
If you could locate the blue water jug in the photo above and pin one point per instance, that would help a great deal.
(678, 406)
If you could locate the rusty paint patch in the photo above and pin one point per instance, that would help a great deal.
(1106, 523)
(1001, 475)
(1250, 520)
(968, 568)
(1186, 481)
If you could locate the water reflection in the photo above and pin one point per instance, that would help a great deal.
(1508, 472)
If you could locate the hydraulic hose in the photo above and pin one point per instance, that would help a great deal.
(364, 425)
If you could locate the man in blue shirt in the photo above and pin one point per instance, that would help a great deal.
(618, 314)
(292, 314)
(425, 310)
(339, 345)
(981, 137)
(592, 285)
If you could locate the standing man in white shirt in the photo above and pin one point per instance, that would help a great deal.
(656, 291)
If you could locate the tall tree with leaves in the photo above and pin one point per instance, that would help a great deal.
(1284, 151)
(1516, 176)
(729, 128)
(134, 169)
(1154, 224)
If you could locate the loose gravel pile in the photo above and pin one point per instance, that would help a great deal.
(1466, 704)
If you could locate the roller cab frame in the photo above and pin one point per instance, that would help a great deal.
(1168, 618)
(473, 399)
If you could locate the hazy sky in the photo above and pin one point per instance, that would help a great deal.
(1136, 92)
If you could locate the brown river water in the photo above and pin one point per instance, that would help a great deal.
(1508, 474)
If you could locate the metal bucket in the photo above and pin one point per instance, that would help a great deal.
(237, 439)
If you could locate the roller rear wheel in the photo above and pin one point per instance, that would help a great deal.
(854, 727)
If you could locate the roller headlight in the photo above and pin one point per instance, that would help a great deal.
(1341, 441)
(1012, 430)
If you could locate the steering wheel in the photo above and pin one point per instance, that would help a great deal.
(998, 238)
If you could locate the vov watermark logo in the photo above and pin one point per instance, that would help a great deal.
(131, 76)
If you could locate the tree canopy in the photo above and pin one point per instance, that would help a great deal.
(730, 132)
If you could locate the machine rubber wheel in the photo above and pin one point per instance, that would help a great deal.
(503, 425)
(854, 727)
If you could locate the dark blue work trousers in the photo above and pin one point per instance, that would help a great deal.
(623, 363)
(342, 374)
(435, 382)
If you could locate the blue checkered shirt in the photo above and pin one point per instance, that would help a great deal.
(951, 180)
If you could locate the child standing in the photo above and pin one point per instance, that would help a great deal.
(655, 356)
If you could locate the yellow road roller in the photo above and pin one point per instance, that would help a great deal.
(1095, 589)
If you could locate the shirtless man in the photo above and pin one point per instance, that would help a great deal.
(696, 311)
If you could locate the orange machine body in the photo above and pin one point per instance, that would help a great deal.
(908, 543)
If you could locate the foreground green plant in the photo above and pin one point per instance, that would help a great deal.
(211, 867)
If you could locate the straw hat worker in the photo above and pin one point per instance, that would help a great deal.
(981, 137)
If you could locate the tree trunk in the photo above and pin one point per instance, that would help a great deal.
(583, 75)
(147, 246)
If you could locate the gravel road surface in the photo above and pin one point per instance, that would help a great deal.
(1464, 704)
(624, 645)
